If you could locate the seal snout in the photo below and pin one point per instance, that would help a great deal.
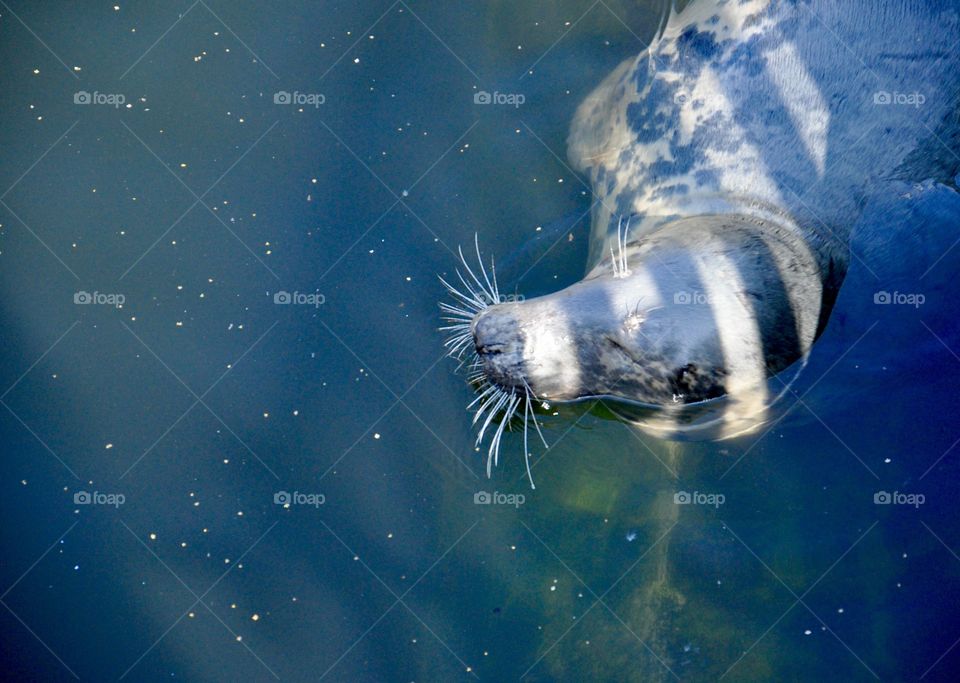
(498, 341)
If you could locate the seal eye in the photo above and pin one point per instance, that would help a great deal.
(618, 346)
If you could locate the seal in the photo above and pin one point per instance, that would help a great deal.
(728, 163)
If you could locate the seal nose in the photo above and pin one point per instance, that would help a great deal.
(499, 344)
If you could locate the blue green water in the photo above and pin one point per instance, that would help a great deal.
(198, 400)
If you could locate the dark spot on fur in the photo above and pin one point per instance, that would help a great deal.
(695, 384)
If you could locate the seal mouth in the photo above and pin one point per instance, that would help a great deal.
(493, 355)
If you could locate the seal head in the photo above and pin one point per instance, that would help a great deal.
(701, 308)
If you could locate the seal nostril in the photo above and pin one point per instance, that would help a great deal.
(489, 349)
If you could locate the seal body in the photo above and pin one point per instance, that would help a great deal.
(729, 162)
(799, 109)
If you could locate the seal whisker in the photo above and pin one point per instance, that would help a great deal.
(623, 249)
(456, 351)
(495, 406)
(491, 289)
(486, 295)
(456, 315)
(527, 410)
(459, 344)
(474, 300)
(618, 259)
(493, 275)
(465, 310)
(457, 337)
(499, 396)
(463, 334)
(503, 397)
(484, 393)
(494, 451)
(465, 327)
(456, 292)
(530, 397)
(492, 398)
